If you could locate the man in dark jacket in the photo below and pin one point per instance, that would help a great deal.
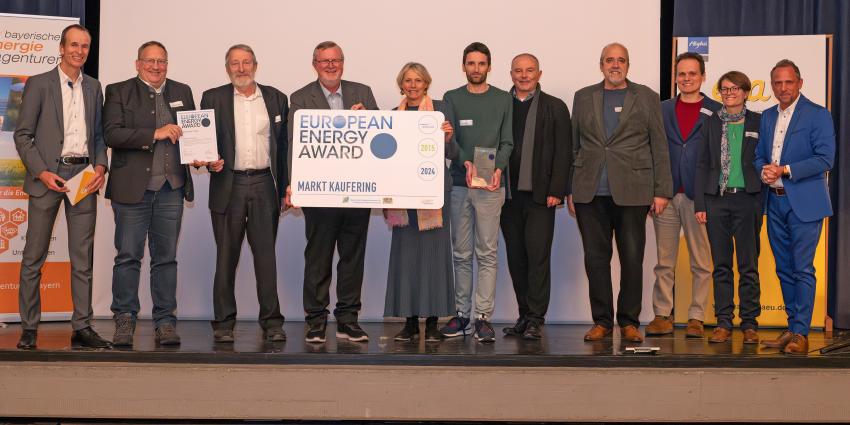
(537, 175)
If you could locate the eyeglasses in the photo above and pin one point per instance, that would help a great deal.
(730, 90)
(326, 62)
(245, 63)
(151, 62)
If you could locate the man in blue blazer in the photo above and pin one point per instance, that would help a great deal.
(796, 149)
(683, 118)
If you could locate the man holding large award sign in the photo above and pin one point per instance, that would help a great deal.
(327, 228)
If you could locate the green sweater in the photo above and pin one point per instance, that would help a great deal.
(481, 120)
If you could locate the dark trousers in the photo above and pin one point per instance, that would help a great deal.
(528, 228)
(344, 229)
(735, 217)
(254, 208)
(600, 222)
(794, 243)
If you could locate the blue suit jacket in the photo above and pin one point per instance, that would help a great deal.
(684, 152)
(809, 149)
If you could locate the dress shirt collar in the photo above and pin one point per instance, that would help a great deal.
(790, 109)
(257, 93)
(327, 92)
(154, 89)
(64, 79)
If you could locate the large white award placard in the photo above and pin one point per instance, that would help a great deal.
(367, 159)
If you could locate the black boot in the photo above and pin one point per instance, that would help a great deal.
(409, 331)
(432, 333)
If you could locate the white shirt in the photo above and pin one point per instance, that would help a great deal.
(251, 121)
(335, 98)
(779, 133)
(74, 115)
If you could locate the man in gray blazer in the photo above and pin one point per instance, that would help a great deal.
(620, 172)
(58, 135)
(328, 228)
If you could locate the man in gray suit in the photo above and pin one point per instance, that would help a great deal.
(621, 172)
(58, 135)
(328, 228)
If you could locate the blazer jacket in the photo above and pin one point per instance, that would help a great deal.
(311, 96)
(221, 100)
(129, 123)
(553, 149)
(636, 154)
(684, 150)
(809, 149)
(41, 127)
(708, 168)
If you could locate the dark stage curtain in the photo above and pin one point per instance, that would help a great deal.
(786, 17)
(87, 10)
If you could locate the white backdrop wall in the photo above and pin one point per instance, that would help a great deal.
(378, 37)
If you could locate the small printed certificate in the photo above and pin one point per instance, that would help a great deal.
(368, 159)
(77, 185)
(198, 142)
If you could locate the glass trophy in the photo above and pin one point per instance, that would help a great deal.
(485, 164)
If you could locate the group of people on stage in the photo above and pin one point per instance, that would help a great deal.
(692, 164)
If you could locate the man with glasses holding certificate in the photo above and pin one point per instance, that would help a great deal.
(147, 189)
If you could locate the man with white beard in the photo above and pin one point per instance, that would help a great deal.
(247, 186)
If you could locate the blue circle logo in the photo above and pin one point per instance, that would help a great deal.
(383, 145)
(205, 122)
(339, 121)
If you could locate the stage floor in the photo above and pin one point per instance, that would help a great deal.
(562, 346)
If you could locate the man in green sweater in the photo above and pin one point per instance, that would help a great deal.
(483, 119)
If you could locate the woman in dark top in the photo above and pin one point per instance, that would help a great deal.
(728, 200)
(420, 280)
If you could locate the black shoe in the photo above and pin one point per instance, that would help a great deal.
(316, 332)
(432, 333)
(88, 338)
(275, 334)
(351, 331)
(517, 329)
(532, 331)
(409, 331)
(27, 341)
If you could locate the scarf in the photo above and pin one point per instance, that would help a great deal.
(525, 165)
(428, 219)
(725, 154)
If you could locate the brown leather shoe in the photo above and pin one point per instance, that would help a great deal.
(660, 325)
(597, 333)
(631, 334)
(780, 342)
(695, 329)
(720, 335)
(751, 336)
(799, 345)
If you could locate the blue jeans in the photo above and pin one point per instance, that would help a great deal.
(157, 217)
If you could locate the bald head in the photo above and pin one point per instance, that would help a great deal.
(525, 56)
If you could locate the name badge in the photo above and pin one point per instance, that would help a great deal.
(618, 109)
(753, 134)
(465, 123)
(706, 111)
(277, 118)
(176, 104)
